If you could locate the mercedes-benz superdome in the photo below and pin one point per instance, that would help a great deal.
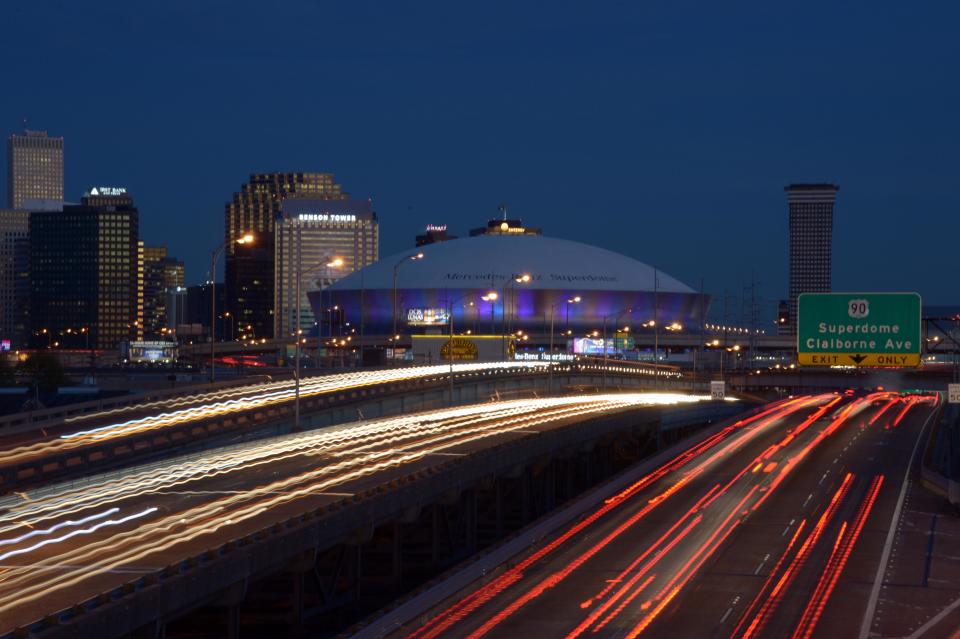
(578, 284)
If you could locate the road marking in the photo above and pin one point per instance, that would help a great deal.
(725, 615)
(934, 620)
(888, 546)
(822, 478)
(757, 571)
(807, 500)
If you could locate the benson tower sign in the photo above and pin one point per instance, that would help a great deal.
(858, 329)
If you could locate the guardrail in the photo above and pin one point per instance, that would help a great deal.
(51, 416)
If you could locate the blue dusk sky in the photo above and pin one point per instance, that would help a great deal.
(664, 130)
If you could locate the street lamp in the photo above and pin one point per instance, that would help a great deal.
(520, 279)
(617, 316)
(298, 330)
(247, 238)
(553, 308)
(396, 268)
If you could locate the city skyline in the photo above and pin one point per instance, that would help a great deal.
(703, 205)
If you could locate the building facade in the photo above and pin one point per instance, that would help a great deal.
(318, 241)
(161, 274)
(34, 168)
(249, 268)
(811, 242)
(14, 277)
(84, 273)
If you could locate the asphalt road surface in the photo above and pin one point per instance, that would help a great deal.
(775, 527)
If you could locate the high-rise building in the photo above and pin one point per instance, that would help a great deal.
(318, 241)
(14, 277)
(249, 275)
(811, 242)
(161, 273)
(84, 272)
(34, 168)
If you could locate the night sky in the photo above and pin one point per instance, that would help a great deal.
(662, 130)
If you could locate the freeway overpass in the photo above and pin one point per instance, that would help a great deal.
(134, 550)
(74, 441)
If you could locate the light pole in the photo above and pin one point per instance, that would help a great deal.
(656, 319)
(520, 279)
(396, 268)
(450, 303)
(331, 262)
(246, 239)
(553, 308)
(616, 315)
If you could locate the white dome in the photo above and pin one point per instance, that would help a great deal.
(482, 261)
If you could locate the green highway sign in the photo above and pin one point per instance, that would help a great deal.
(858, 329)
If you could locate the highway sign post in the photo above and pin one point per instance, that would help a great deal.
(953, 393)
(858, 329)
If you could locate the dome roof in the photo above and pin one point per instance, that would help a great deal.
(485, 260)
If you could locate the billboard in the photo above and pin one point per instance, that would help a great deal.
(858, 329)
(428, 316)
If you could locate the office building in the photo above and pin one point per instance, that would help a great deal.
(34, 168)
(249, 274)
(161, 273)
(318, 241)
(14, 277)
(434, 233)
(811, 241)
(84, 272)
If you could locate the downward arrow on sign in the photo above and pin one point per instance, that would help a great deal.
(858, 358)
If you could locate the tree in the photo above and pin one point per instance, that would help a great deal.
(7, 373)
(44, 370)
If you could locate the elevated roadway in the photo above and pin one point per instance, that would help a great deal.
(75, 445)
(121, 552)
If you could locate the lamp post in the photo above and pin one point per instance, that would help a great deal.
(553, 308)
(450, 303)
(331, 262)
(396, 269)
(520, 279)
(616, 315)
(246, 239)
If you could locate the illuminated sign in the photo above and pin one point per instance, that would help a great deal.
(327, 217)
(592, 346)
(551, 357)
(4, 345)
(108, 190)
(437, 228)
(428, 316)
(152, 352)
(459, 349)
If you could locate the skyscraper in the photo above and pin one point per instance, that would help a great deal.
(14, 276)
(310, 236)
(811, 242)
(84, 272)
(249, 275)
(161, 273)
(34, 168)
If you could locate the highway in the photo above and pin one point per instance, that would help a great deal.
(77, 432)
(68, 542)
(775, 526)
